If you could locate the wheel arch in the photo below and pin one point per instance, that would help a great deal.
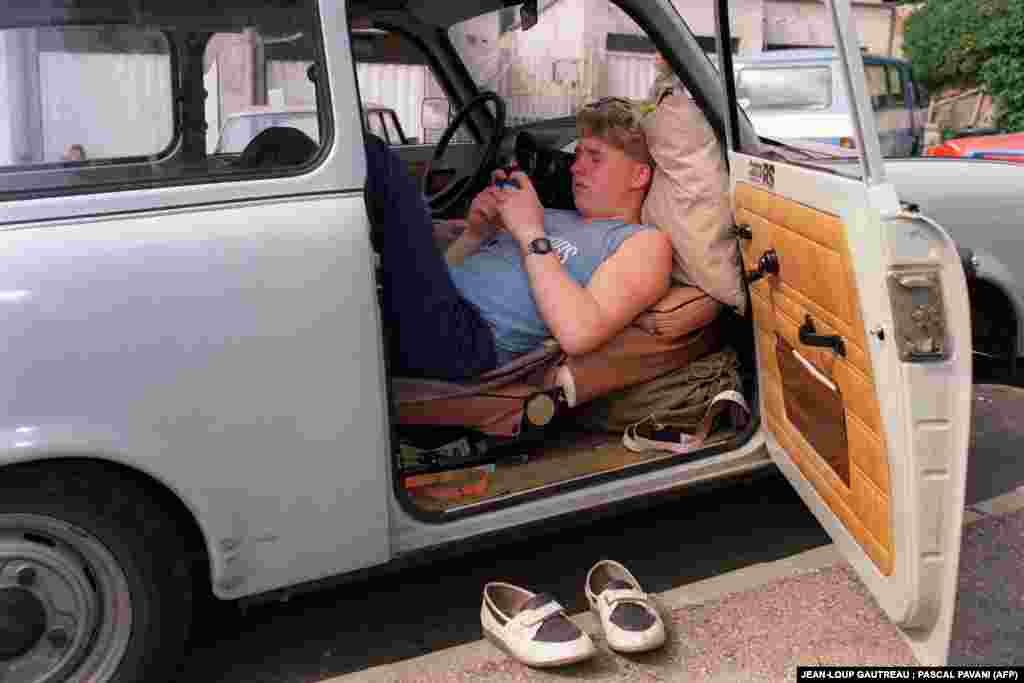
(992, 274)
(180, 512)
(984, 286)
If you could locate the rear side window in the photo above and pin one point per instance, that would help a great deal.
(897, 91)
(154, 96)
(786, 87)
(84, 95)
(874, 75)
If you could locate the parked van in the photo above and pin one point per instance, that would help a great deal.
(799, 95)
(195, 392)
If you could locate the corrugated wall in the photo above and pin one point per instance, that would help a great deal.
(630, 75)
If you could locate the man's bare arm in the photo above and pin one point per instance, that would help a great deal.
(482, 223)
(464, 246)
(582, 319)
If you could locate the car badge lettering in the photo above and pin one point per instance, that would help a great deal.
(762, 173)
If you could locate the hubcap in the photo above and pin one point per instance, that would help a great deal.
(22, 622)
(65, 610)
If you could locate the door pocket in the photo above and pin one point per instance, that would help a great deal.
(815, 407)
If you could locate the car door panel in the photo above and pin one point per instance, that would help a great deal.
(815, 279)
(892, 499)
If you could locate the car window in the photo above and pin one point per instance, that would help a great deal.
(85, 95)
(375, 124)
(876, 84)
(899, 87)
(102, 104)
(921, 96)
(576, 53)
(785, 87)
(394, 74)
(286, 98)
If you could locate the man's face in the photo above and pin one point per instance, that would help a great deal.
(604, 179)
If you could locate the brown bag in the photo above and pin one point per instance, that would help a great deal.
(678, 399)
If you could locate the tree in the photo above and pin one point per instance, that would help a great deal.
(970, 43)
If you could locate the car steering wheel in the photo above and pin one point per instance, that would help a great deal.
(457, 189)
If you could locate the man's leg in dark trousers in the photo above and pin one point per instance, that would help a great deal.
(434, 331)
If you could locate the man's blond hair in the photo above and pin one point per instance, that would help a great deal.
(617, 122)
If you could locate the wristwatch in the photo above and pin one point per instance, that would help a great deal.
(541, 245)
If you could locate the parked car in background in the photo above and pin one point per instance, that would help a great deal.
(383, 122)
(1007, 147)
(799, 95)
(243, 126)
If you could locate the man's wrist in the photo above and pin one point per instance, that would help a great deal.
(526, 236)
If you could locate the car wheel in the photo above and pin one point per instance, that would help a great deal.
(993, 335)
(94, 579)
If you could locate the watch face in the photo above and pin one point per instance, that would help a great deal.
(541, 245)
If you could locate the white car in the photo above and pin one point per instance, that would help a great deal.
(195, 392)
(799, 95)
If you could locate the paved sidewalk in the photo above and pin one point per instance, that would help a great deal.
(760, 622)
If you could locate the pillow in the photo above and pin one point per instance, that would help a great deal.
(689, 199)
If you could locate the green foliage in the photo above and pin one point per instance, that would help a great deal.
(970, 43)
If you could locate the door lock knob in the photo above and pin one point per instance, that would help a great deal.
(767, 264)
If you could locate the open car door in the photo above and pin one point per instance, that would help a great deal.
(864, 361)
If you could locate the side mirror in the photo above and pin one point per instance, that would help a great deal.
(528, 15)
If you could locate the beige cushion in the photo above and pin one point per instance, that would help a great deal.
(689, 199)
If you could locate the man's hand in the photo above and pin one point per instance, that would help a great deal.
(520, 208)
(483, 219)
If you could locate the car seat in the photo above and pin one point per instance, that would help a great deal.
(528, 392)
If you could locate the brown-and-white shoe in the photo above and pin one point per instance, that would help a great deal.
(531, 627)
(628, 616)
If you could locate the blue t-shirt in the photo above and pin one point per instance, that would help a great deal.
(494, 279)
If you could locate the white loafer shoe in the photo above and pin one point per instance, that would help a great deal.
(628, 616)
(532, 628)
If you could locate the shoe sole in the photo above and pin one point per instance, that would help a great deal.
(500, 644)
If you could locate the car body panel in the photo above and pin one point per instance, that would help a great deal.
(982, 209)
(231, 354)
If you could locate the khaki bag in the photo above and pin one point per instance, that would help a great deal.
(676, 400)
(689, 199)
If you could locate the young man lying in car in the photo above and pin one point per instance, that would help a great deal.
(520, 273)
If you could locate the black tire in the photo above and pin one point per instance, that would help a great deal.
(993, 335)
(94, 529)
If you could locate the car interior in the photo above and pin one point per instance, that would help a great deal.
(541, 424)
